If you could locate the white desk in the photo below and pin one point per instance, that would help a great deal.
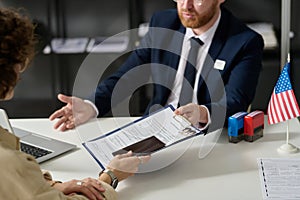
(230, 171)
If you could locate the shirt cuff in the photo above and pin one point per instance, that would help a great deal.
(94, 107)
(203, 126)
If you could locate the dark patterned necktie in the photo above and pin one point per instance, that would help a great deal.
(186, 93)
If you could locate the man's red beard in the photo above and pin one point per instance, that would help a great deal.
(190, 23)
(198, 20)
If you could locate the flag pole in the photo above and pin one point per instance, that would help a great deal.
(287, 148)
(287, 132)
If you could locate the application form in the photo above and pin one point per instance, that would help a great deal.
(280, 178)
(164, 126)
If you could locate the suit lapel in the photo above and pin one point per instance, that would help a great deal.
(215, 48)
(220, 36)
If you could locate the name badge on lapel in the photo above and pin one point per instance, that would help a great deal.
(219, 64)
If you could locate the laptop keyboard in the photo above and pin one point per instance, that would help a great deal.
(34, 151)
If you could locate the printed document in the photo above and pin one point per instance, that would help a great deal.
(280, 178)
(143, 136)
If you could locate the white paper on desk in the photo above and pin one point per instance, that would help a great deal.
(162, 124)
(69, 45)
(280, 178)
(267, 32)
(106, 45)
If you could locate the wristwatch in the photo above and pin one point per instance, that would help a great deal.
(114, 179)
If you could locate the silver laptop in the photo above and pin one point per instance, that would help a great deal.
(41, 147)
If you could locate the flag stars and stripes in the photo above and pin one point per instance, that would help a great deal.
(283, 104)
(284, 82)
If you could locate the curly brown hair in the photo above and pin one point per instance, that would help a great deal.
(17, 46)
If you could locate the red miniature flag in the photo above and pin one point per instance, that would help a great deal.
(283, 104)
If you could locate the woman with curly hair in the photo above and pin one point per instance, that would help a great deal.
(17, 42)
(21, 176)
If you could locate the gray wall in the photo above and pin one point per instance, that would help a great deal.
(50, 74)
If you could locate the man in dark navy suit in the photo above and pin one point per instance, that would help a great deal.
(225, 71)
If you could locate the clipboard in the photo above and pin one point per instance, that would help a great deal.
(146, 135)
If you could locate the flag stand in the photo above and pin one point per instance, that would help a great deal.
(287, 148)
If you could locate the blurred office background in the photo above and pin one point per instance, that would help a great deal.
(54, 71)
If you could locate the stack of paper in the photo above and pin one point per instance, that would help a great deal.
(69, 45)
(267, 32)
(106, 45)
(143, 29)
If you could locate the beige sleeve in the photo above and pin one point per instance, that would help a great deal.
(110, 193)
(22, 178)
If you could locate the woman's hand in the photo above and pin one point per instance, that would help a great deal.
(89, 187)
(125, 165)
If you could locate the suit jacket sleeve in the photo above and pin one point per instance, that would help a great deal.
(121, 84)
(141, 64)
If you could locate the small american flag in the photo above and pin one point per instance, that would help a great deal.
(283, 104)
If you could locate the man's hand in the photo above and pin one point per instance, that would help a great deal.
(194, 113)
(76, 112)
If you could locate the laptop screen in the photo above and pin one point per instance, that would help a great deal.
(4, 121)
